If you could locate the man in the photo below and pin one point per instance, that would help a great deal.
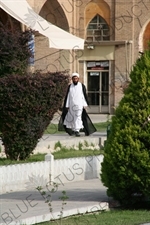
(74, 116)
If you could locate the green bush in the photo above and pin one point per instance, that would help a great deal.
(126, 165)
(27, 105)
(14, 51)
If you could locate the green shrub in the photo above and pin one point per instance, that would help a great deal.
(126, 165)
(14, 51)
(27, 105)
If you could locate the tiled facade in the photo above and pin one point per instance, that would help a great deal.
(129, 33)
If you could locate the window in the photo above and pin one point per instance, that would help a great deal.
(98, 30)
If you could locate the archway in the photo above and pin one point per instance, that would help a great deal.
(54, 14)
(49, 59)
(146, 37)
(97, 7)
(97, 30)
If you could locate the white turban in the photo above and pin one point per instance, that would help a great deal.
(75, 75)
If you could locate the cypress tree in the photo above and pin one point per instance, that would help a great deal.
(126, 166)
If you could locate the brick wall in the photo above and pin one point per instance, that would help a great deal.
(126, 19)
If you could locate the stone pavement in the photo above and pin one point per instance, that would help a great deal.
(48, 141)
(29, 207)
(96, 118)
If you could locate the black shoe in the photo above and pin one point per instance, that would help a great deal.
(77, 134)
(72, 133)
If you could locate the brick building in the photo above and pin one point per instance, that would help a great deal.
(115, 31)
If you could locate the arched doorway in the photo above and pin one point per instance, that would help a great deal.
(49, 59)
(96, 64)
(98, 71)
(54, 13)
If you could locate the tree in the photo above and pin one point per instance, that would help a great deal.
(14, 51)
(126, 165)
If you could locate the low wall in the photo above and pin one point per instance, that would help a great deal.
(75, 169)
(15, 177)
(31, 175)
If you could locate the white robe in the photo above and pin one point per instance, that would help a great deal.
(75, 102)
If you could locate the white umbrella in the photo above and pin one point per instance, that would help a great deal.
(58, 38)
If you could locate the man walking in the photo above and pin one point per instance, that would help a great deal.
(74, 116)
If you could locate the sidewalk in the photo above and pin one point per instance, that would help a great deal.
(47, 142)
(96, 118)
(29, 207)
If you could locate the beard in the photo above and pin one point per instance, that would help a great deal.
(75, 82)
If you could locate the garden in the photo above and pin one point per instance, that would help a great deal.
(28, 102)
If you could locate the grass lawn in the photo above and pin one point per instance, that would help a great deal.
(113, 217)
(62, 154)
(33, 158)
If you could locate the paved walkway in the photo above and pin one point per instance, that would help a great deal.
(96, 118)
(29, 207)
(47, 142)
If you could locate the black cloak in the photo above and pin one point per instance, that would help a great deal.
(88, 127)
